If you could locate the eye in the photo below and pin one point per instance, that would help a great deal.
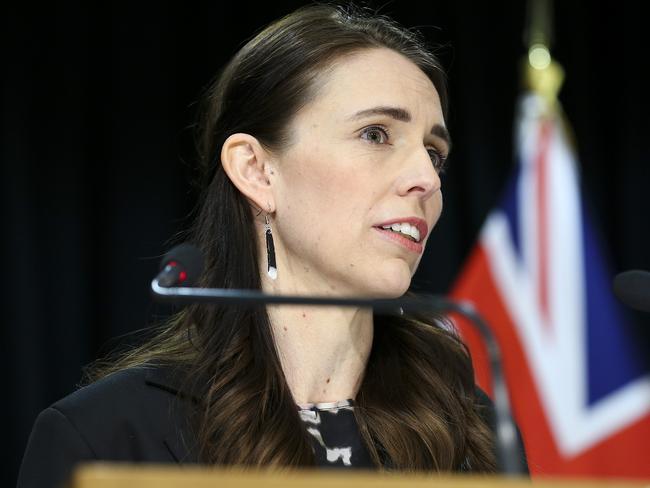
(438, 159)
(375, 134)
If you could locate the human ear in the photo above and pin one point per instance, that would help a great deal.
(248, 166)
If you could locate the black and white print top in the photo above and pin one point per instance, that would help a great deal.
(335, 435)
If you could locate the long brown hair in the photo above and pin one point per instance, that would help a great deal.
(416, 405)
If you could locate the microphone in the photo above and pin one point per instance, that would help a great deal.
(180, 266)
(633, 289)
(186, 258)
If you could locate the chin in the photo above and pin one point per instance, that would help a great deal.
(391, 284)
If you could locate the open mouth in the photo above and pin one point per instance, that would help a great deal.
(404, 229)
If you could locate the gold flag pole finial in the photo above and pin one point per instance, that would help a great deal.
(542, 74)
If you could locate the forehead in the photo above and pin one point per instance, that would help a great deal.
(376, 77)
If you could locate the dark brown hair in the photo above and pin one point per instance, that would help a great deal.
(416, 405)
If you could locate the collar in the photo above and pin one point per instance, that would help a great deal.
(172, 379)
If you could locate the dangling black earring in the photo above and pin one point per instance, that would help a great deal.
(272, 270)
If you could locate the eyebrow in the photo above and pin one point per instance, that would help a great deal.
(402, 115)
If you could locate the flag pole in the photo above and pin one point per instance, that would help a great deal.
(541, 73)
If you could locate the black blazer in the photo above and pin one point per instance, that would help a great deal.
(135, 415)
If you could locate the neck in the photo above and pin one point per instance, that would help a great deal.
(323, 350)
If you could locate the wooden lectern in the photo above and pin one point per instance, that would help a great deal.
(106, 475)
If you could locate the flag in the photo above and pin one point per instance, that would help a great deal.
(579, 387)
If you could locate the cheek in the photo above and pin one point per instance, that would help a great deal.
(323, 184)
(324, 209)
(305, 196)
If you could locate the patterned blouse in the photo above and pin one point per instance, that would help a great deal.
(337, 442)
(335, 436)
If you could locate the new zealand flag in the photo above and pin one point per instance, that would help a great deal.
(578, 383)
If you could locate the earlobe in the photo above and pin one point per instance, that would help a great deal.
(247, 164)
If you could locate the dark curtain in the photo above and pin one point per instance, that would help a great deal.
(96, 145)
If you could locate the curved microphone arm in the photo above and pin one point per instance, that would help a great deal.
(508, 455)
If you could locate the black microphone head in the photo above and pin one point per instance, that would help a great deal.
(188, 260)
(633, 289)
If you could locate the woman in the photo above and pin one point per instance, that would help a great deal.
(325, 136)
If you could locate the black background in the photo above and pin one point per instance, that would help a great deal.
(96, 148)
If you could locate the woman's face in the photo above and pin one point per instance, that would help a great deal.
(357, 191)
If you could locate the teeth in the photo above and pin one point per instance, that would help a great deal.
(405, 229)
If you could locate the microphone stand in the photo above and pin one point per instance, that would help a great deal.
(508, 456)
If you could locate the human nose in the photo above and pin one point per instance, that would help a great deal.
(419, 176)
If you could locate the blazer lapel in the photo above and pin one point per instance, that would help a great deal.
(179, 439)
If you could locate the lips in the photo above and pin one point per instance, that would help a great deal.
(413, 222)
(409, 232)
